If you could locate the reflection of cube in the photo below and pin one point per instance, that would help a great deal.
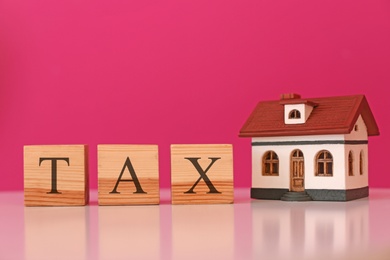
(55, 175)
(202, 174)
(128, 174)
(55, 233)
(130, 233)
(204, 232)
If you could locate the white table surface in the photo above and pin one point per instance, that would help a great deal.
(247, 229)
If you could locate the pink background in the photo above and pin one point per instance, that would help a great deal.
(174, 71)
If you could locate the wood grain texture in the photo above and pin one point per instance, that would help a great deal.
(111, 162)
(185, 176)
(72, 177)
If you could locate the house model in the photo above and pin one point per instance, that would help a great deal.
(310, 149)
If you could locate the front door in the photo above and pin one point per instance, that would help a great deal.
(297, 171)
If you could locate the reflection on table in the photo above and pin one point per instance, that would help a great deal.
(248, 229)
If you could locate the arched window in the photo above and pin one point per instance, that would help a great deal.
(324, 164)
(361, 163)
(294, 114)
(350, 163)
(270, 163)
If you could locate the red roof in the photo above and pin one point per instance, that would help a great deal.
(331, 115)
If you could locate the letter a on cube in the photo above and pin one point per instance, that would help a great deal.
(55, 175)
(128, 175)
(202, 174)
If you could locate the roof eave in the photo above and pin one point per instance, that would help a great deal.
(331, 131)
(368, 118)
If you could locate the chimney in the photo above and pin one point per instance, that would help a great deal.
(290, 96)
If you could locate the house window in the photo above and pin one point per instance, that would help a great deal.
(361, 170)
(350, 164)
(324, 163)
(294, 114)
(356, 128)
(270, 164)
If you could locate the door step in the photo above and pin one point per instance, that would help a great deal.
(296, 196)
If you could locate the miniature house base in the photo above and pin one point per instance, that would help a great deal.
(315, 194)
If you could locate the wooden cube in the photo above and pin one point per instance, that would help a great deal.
(128, 174)
(56, 175)
(202, 174)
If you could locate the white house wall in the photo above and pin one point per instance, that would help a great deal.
(339, 180)
(309, 153)
(258, 180)
(357, 180)
(360, 133)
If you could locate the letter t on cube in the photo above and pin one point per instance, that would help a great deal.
(55, 175)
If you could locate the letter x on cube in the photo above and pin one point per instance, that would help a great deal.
(202, 174)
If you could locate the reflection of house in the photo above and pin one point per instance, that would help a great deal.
(310, 230)
(316, 145)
